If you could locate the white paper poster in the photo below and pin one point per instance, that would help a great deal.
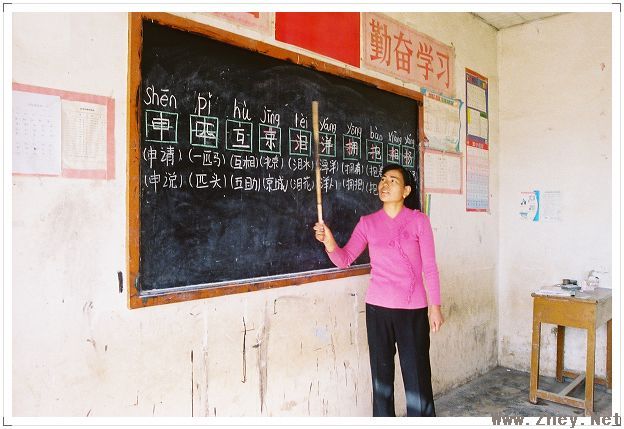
(550, 203)
(443, 172)
(442, 123)
(84, 135)
(36, 133)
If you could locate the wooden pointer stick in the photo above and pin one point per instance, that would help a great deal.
(315, 129)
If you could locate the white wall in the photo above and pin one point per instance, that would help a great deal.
(78, 350)
(555, 129)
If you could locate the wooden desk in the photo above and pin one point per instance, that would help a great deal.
(587, 310)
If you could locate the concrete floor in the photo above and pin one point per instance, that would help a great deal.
(504, 391)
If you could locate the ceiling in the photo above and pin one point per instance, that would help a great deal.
(500, 20)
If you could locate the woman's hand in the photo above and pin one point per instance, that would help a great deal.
(323, 234)
(435, 318)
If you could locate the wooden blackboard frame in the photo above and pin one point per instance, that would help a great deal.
(136, 299)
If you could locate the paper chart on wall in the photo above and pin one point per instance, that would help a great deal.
(477, 176)
(36, 133)
(551, 206)
(477, 143)
(443, 172)
(442, 124)
(84, 135)
(83, 132)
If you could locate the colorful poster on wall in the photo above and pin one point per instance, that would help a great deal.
(442, 124)
(333, 34)
(477, 143)
(530, 205)
(395, 49)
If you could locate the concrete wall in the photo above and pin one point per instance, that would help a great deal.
(294, 351)
(555, 129)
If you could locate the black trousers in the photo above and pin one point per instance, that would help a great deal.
(409, 330)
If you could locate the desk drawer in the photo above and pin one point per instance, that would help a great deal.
(576, 314)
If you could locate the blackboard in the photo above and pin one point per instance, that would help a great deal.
(226, 189)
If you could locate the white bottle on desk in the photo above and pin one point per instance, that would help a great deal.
(592, 281)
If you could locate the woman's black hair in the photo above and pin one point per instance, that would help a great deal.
(411, 202)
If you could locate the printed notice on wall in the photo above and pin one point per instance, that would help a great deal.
(442, 123)
(551, 206)
(443, 172)
(62, 133)
(36, 133)
(84, 135)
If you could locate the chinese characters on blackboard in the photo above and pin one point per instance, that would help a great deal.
(264, 151)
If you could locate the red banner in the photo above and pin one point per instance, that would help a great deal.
(333, 34)
(395, 49)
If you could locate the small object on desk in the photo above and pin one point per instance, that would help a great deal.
(592, 281)
(555, 290)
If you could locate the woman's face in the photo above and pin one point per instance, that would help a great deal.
(392, 187)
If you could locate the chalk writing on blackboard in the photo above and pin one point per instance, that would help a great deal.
(161, 127)
(204, 131)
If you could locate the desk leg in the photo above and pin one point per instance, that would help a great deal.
(535, 352)
(589, 371)
(560, 352)
(609, 354)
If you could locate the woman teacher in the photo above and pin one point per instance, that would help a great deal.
(401, 309)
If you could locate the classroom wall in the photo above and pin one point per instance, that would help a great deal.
(78, 350)
(555, 133)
